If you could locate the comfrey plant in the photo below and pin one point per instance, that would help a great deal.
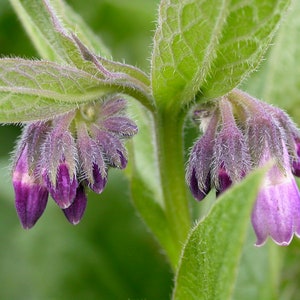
(74, 107)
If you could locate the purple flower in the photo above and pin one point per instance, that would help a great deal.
(58, 162)
(240, 134)
(31, 196)
(220, 157)
(65, 155)
(277, 209)
(198, 173)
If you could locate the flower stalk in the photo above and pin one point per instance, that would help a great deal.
(169, 134)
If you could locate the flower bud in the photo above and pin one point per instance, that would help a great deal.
(75, 211)
(198, 173)
(30, 196)
(111, 147)
(92, 162)
(63, 191)
(58, 163)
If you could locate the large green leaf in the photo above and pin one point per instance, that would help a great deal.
(212, 253)
(208, 47)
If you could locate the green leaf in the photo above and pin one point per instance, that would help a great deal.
(211, 256)
(52, 34)
(61, 88)
(31, 89)
(48, 33)
(209, 47)
(74, 23)
(123, 74)
(278, 80)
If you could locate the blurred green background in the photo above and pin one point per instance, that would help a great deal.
(110, 254)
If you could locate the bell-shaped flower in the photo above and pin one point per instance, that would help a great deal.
(198, 172)
(231, 157)
(276, 212)
(58, 165)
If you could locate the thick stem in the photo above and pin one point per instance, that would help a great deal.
(169, 132)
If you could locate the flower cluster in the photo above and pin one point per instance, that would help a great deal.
(241, 133)
(64, 156)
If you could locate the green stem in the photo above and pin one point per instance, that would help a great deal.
(169, 133)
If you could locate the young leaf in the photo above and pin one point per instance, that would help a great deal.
(208, 47)
(45, 30)
(210, 258)
(55, 42)
(74, 23)
(57, 86)
(44, 26)
(33, 85)
(49, 35)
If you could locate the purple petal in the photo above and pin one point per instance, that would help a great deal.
(75, 211)
(296, 162)
(64, 189)
(198, 193)
(231, 155)
(30, 201)
(99, 181)
(112, 148)
(30, 196)
(91, 161)
(121, 126)
(224, 181)
(59, 147)
(198, 173)
(113, 107)
(277, 211)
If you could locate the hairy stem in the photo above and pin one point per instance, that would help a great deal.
(169, 133)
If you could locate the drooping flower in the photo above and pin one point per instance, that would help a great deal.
(58, 162)
(198, 174)
(64, 156)
(31, 194)
(220, 157)
(242, 134)
(277, 209)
